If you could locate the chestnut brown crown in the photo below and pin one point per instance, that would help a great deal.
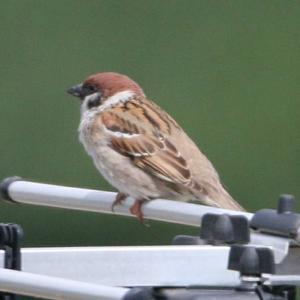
(110, 83)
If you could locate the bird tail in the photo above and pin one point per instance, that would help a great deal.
(222, 199)
(225, 201)
(217, 196)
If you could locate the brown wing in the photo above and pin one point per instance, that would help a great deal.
(141, 133)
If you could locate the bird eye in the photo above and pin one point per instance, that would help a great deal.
(89, 89)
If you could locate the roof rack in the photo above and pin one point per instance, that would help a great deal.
(237, 254)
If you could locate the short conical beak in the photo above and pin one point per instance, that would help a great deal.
(76, 90)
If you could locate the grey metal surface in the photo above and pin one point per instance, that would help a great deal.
(291, 263)
(101, 201)
(47, 287)
(217, 294)
(279, 245)
(134, 266)
(283, 280)
(92, 272)
(143, 265)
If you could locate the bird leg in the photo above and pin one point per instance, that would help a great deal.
(136, 209)
(119, 199)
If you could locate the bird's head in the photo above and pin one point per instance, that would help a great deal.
(107, 88)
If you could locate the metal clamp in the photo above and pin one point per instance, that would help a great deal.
(218, 229)
(283, 221)
(11, 236)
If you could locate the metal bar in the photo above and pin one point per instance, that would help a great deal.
(210, 294)
(101, 201)
(48, 287)
(143, 265)
(134, 265)
(290, 264)
(280, 280)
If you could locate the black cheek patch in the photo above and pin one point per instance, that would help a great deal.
(94, 102)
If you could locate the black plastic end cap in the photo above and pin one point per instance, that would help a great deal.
(140, 294)
(4, 185)
(286, 204)
(228, 229)
(251, 261)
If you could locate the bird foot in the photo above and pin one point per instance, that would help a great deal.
(119, 199)
(136, 209)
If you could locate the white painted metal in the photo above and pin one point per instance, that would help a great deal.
(276, 280)
(143, 265)
(279, 245)
(47, 287)
(134, 265)
(101, 201)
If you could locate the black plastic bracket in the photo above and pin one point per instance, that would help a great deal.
(283, 221)
(11, 236)
(4, 185)
(218, 229)
(276, 292)
(144, 293)
(225, 229)
(251, 261)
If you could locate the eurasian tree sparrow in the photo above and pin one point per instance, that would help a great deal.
(139, 149)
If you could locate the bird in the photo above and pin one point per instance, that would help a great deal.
(140, 149)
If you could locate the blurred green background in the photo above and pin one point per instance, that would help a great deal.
(228, 71)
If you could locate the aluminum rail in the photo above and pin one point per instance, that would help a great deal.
(47, 287)
(144, 265)
(133, 265)
(101, 201)
(278, 280)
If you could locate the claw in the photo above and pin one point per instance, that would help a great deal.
(119, 199)
(136, 209)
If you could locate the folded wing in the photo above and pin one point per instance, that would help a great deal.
(138, 132)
